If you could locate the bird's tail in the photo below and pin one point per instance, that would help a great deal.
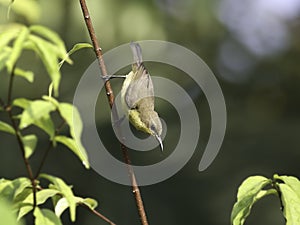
(137, 53)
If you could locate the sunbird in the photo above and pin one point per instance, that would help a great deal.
(137, 97)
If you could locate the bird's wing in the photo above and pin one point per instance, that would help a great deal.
(140, 87)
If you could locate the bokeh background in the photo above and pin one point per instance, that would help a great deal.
(253, 48)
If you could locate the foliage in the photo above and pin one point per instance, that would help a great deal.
(254, 188)
(26, 194)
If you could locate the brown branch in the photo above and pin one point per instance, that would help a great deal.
(100, 215)
(19, 137)
(110, 97)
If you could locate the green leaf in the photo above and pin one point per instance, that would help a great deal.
(249, 192)
(35, 111)
(72, 117)
(23, 7)
(45, 217)
(290, 197)
(62, 204)
(6, 128)
(65, 190)
(21, 102)
(11, 188)
(7, 214)
(46, 124)
(291, 203)
(17, 48)
(28, 75)
(54, 38)
(4, 55)
(41, 197)
(75, 48)
(91, 203)
(291, 181)
(49, 56)
(8, 33)
(29, 143)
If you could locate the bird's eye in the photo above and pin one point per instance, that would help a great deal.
(152, 127)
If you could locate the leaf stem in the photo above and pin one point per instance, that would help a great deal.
(110, 97)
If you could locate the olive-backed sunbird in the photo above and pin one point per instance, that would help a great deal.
(137, 97)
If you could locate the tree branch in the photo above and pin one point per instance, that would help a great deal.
(19, 136)
(110, 97)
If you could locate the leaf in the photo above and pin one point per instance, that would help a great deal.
(45, 217)
(65, 190)
(9, 188)
(249, 192)
(35, 111)
(29, 143)
(4, 55)
(46, 124)
(48, 54)
(8, 33)
(24, 7)
(91, 203)
(290, 197)
(75, 48)
(54, 38)
(21, 102)
(72, 117)
(6, 128)
(7, 214)
(41, 197)
(62, 204)
(17, 48)
(28, 75)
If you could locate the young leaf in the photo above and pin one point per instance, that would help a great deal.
(17, 48)
(46, 124)
(54, 38)
(8, 33)
(34, 111)
(290, 196)
(91, 203)
(75, 48)
(6, 128)
(21, 102)
(9, 188)
(29, 143)
(4, 55)
(28, 75)
(41, 197)
(65, 190)
(48, 54)
(72, 117)
(45, 217)
(249, 192)
(7, 214)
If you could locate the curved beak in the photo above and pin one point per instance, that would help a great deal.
(158, 138)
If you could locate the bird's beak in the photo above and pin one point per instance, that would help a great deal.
(158, 138)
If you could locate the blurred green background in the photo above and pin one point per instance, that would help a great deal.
(253, 48)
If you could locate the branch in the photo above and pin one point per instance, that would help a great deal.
(110, 97)
(19, 137)
(98, 214)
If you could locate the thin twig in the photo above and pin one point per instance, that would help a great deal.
(110, 96)
(50, 145)
(19, 138)
(99, 214)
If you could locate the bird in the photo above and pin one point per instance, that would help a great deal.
(137, 97)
